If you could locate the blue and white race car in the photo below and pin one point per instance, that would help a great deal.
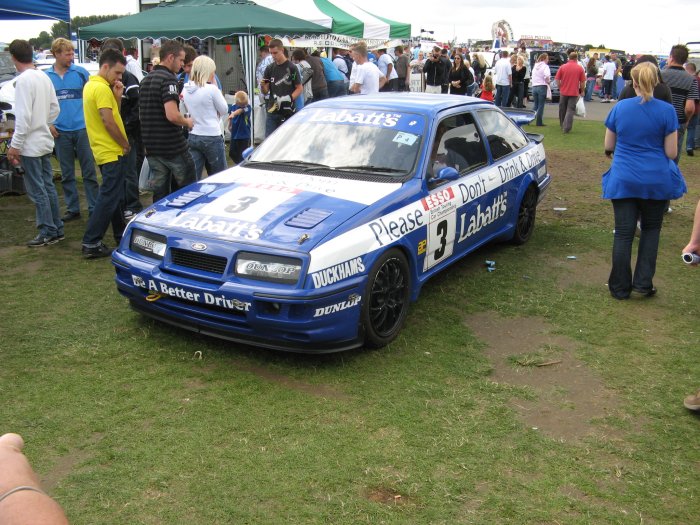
(323, 236)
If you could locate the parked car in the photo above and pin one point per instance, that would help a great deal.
(556, 60)
(7, 89)
(322, 237)
(7, 67)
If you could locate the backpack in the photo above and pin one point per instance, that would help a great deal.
(349, 63)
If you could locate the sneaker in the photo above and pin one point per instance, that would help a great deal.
(692, 402)
(41, 240)
(669, 210)
(71, 216)
(101, 250)
(60, 236)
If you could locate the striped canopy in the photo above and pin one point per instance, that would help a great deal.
(341, 17)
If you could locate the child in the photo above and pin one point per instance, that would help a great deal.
(487, 89)
(240, 127)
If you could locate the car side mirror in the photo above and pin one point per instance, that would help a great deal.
(446, 174)
(247, 152)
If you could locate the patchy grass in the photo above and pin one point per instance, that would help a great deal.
(132, 421)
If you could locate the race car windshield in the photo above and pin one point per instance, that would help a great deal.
(362, 142)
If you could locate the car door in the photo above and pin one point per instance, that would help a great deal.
(457, 144)
(506, 143)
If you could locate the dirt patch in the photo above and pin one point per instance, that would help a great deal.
(27, 269)
(386, 496)
(322, 391)
(570, 399)
(66, 464)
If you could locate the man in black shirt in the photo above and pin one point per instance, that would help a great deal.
(281, 80)
(129, 111)
(161, 124)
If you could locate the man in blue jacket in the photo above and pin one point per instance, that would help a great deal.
(69, 129)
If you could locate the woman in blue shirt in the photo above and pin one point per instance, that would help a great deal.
(641, 131)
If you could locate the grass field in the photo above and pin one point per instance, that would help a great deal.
(525, 395)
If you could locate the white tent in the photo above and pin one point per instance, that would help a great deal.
(342, 17)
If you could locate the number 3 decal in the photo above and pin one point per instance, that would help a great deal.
(241, 205)
(441, 239)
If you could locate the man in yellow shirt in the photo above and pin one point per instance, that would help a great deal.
(101, 102)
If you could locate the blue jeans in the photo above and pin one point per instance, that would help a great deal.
(590, 84)
(681, 136)
(170, 174)
(38, 181)
(70, 144)
(131, 177)
(210, 149)
(539, 95)
(109, 207)
(272, 122)
(502, 94)
(627, 211)
(692, 126)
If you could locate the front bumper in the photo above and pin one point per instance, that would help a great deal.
(298, 321)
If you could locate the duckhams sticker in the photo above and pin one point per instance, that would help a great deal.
(336, 273)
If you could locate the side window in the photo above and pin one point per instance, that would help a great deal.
(457, 145)
(503, 136)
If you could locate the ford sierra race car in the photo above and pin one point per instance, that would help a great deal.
(322, 237)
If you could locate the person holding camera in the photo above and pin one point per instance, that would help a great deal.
(281, 81)
(434, 72)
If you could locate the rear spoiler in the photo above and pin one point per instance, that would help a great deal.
(520, 116)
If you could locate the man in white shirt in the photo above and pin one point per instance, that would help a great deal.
(36, 107)
(132, 63)
(504, 79)
(386, 66)
(342, 65)
(609, 69)
(365, 77)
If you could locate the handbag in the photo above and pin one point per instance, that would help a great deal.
(580, 108)
(549, 92)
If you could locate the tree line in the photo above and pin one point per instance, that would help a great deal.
(60, 29)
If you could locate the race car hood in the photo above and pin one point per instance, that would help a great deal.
(264, 207)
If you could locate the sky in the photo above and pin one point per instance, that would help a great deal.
(639, 26)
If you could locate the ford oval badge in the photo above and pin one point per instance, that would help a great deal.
(199, 246)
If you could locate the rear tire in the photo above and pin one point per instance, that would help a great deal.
(525, 223)
(386, 299)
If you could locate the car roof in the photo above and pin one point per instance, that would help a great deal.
(428, 104)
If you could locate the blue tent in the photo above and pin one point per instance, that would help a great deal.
(35, 10)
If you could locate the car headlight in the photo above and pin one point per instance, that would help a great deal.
(148, 244)
(270, 268)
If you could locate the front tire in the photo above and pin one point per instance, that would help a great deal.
(525, 223)
(386, 300)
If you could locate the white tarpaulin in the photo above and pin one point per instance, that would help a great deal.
(341, 17)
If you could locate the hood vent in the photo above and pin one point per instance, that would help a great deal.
(308, 218)
(183, 200)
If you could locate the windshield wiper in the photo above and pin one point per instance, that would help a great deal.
(367, 167)
(293, 163)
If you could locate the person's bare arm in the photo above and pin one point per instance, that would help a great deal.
(671, 145)
(113, 130)
(25, 506)
(693, 245)
(172, 113)
(610, 141)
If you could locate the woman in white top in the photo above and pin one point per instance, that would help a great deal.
(206, 105)
(541, 77)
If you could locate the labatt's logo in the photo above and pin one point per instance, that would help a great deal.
(481, 219)
(336, 273)
(205, 223)
(388, 120)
